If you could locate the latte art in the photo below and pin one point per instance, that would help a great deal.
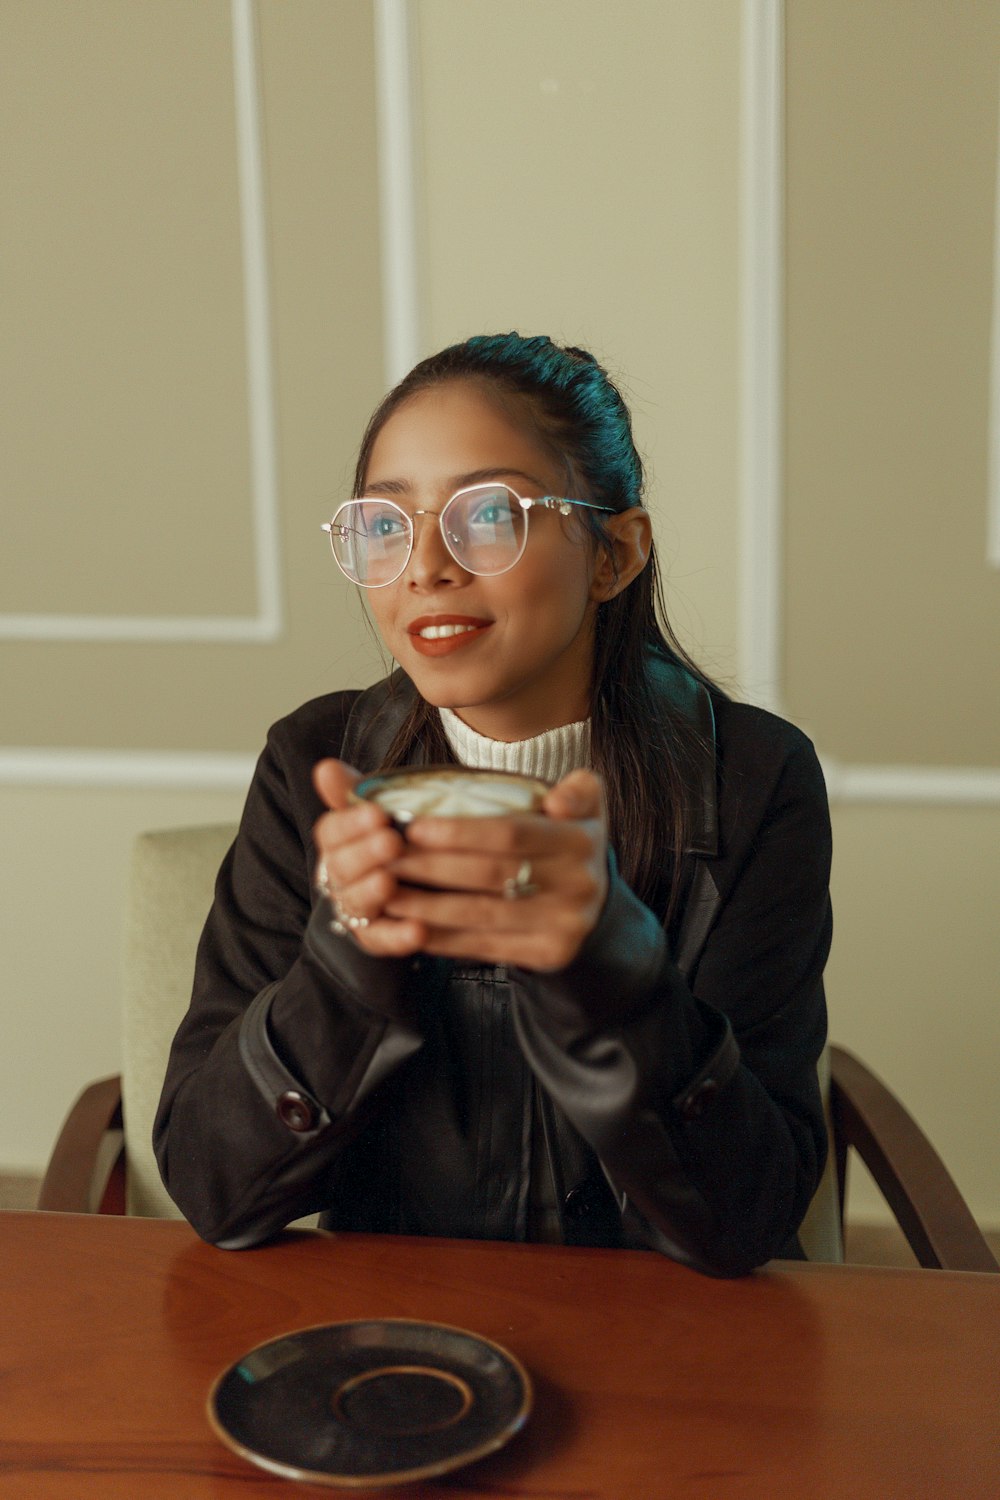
(452, 792)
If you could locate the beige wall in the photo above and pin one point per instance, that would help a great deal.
(891, 188)
(579, 173)
(131, 482)
(891, 640)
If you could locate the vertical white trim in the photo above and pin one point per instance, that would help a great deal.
(993, 490)
(257, 310)
(266, 623)
(762, 417)
(761, 372)
(396, 89)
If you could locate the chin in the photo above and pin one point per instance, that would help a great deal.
(447, 694)
(435, 692)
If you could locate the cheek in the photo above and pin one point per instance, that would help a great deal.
(382, 603)
(551, 602)
(381, 611)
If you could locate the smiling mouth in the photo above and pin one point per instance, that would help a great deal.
(439, 637)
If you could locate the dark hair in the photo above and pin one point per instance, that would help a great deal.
(645, 758)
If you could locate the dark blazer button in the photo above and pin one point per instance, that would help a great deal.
(295, 1111)
(576, 1204)
(694, 1103)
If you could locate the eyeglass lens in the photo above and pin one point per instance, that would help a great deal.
(484, 529)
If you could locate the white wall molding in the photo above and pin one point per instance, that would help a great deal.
(396, 80)
(762, 366)
(993, 492)
(120, 769)
(958, 786)
(267, 623)
(761, 438)
(257, 315)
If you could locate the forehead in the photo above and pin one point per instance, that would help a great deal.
(440, 435)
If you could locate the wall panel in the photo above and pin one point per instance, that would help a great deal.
(581, 179)
(147, 466)
(892, 651)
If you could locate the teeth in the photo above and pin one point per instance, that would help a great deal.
(438, 632)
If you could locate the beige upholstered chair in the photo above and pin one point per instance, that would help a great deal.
(170, 890)
(172, 878)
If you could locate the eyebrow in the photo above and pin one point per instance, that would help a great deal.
(456, 482)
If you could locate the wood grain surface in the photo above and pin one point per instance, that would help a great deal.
(650, 1380)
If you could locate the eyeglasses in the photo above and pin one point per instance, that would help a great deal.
(485, 529)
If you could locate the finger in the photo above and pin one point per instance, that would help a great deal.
(386, 938)
(333, 780)
(523, 835)
(350, 847)
(366, 897)
(473, 911)
(451, 871)
(579, 795)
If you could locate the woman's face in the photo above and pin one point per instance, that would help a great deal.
(525, 665)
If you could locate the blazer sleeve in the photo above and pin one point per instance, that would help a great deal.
(290, 1028)
(698, 1091)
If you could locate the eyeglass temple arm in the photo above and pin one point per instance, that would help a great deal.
(551, 500)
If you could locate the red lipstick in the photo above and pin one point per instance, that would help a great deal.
(440, 634)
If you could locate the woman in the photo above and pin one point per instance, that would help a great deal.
(625, 1054)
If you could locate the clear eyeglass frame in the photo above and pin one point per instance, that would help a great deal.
(559, 503)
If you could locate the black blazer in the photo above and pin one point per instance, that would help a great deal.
(665, 1081)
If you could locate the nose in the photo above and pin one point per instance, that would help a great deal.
(431, 565)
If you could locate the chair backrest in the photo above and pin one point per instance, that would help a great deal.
(821, 1232)
(170, 891)
(173, 875)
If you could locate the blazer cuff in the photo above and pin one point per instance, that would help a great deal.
(699, 1092)
(382, 986)
(292, 1103)
(613, 976)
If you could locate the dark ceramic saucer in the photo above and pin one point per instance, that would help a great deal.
(370, 1403)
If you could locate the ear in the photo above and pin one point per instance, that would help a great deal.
(626, 552)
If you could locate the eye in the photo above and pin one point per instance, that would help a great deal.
(490, 510)
(387, 524)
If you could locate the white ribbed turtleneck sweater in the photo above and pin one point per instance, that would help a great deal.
(551, 755)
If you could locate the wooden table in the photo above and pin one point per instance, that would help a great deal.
(650, 1380)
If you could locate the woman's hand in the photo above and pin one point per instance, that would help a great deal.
(356, 846)
(464, 865)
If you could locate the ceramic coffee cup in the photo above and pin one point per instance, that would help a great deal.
(451, 792)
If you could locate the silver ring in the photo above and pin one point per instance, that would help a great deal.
(341, 922)
(352, 923)
(516, 887)
(344, 923)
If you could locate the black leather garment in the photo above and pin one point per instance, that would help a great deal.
(659, 1091)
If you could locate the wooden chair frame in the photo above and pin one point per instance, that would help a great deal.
(92, 1138)
(912, 1178)
(867, 1118)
